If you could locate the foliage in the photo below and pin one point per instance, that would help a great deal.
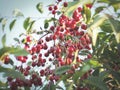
(78, 46)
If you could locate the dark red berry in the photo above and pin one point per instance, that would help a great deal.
(84, 26)
(55, 7)
(50, 8)
(53, 12)
(65, 4)
(59, 0)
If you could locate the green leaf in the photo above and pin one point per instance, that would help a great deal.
(27, 88)
(12, 24)
(69, 86)
(93, 28)
(30, 26)
(97, 20)
(86, 67)
(26, 23)
(77, 75)
(40, 7)
(62, 69)
(11, 62)
(106, 26)
(16, 51)
(4, 40)
(2, 84)
(17, 40)
(99, 9)
(73, 5)
(87, 13)
(94, 63)
(59, 87)
(51, 86)
(4, 21)
(115, 24)
(1, 20)
(103, 75)
(96, 72)
(11, 73)
(116, 6)
(97, 82)
(46, 24)
(116, 75)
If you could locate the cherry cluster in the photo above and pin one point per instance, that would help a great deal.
(59, 46)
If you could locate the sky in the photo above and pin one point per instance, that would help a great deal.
(28, 8)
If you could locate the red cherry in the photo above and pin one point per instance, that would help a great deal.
(65, 4)
(26, 73)
(38, 47)
(9, 79)
(58, 50)
(53, 12)
(79, 9)
(34, 75)
(47, 39)
(84, 26)
(50, 8)
(55, 7)
(51, 78)
(45, 46)
(6, 59)
(34, 57)
(28, 39)
(28, 68)
(59, 0)
(33, 64)
(46, 54)
(52, 28)
(89, 56)
(70, 49)
(89, 5)
(42, 72)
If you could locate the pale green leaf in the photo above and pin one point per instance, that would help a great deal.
(4, 40)
(17, 13)
(4, 21)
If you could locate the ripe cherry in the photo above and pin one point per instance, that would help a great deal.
(53, 12)
(55, 7)
(84, 26)
(79, 9)
(89, 5)
(28, 39)
(6, 59)
(65, 4)
(59, 0)
(42, 72)
(50, 8)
